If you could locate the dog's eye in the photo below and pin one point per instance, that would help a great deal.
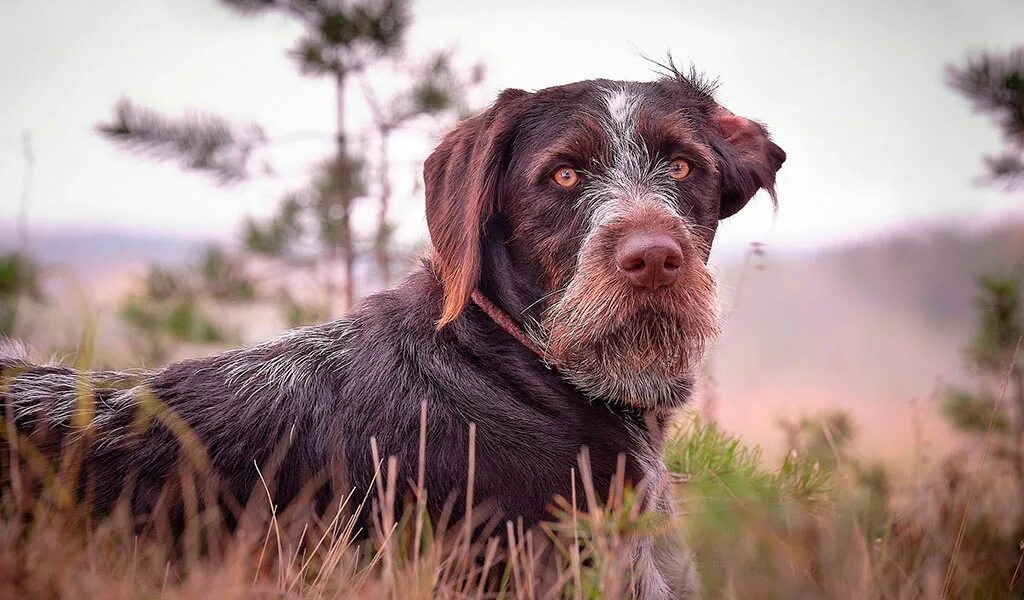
(678, 169)
(566, 176)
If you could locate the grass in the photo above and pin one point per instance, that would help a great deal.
(819, 525)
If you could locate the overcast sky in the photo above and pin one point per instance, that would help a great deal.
(854, 91)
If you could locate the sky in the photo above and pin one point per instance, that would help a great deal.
(853, 91)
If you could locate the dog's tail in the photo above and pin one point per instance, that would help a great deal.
(13, 359)
(213, 416)
(12, 352)
(43, 395)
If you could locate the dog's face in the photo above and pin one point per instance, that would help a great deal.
(604, 198)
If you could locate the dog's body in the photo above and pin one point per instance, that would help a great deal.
(328, 389)
(536, 206)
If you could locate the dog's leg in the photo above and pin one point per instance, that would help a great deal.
(676, 565)
(665, 566)
(650, 582)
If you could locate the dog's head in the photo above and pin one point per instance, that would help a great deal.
(589, 210)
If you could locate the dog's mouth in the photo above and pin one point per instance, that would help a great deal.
(632, 345)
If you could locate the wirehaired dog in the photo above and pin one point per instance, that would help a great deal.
(565, 305)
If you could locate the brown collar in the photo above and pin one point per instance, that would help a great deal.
(505, 322)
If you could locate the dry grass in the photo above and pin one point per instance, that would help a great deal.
(52, 544)
(819, 526)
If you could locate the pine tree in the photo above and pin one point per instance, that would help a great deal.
(312, 232)
(994, 83)
(994, 412)
(339, 40)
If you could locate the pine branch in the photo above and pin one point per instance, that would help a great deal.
(251, 7)
(1006, 169)
(994, 84)
(198, 142)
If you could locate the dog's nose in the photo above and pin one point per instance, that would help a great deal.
(649, 260)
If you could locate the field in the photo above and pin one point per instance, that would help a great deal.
(819, 525)
(183, 178)
(857, 494)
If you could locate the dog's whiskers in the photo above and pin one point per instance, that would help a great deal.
(542, 298)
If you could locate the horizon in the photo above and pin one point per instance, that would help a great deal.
(191, 244)
(843, 180)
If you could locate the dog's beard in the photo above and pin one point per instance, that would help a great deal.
(638, 347)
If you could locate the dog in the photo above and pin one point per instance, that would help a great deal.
(565, 304)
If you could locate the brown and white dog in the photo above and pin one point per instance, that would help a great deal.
(565, 305)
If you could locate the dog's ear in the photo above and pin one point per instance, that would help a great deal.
(749, 160)
(462, 180)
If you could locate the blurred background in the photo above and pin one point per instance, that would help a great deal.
(178, 177)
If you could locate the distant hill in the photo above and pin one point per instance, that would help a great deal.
(96, 249)
(867, 326)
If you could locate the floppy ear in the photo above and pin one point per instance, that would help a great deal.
(749, 160)
(462, 178)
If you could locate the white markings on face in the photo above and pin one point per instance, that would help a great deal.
(628, 152)
(622, 106)
(628, 173)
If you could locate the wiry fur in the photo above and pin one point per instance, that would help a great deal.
(634, 346)
(306, 406)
